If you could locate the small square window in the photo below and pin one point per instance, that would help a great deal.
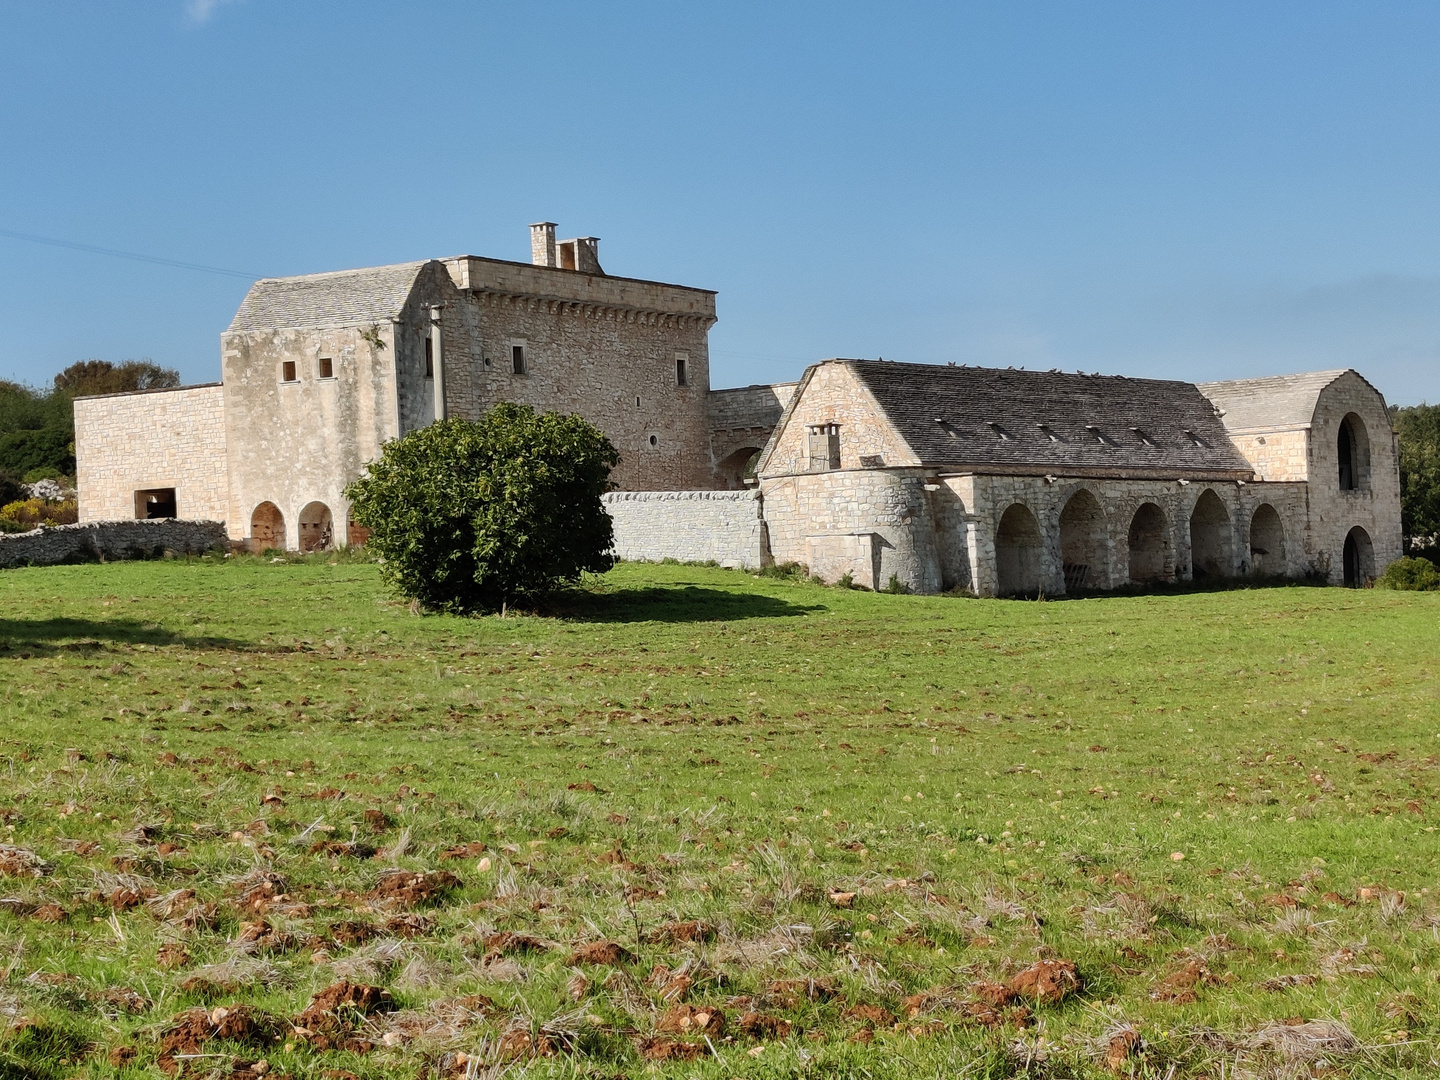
(287, 371)
(517, 359)
(682, 374)
(327, 368)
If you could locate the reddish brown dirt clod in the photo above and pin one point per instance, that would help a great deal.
(812, 989)
(992, 993)
(508, 942)
(519, 1043)
(464, 851)
(692, 1020)
(864, 1035)
(1122, 1046)
(1179, 988)
(328, 1022)
(378, 820)
(350, 932)
(408, 890)
(122, 1056)
(874, 1014)
(663, 1049)
(600, 952)
(409, 925)
(190, 1030)
(756, 1025)
(172, 956)
(1047, 981)
(50, 913)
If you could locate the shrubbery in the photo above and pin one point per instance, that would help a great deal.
(1411, 575)
(468, 516)
(25, 514)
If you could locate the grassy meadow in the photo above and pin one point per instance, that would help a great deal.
(262, 819)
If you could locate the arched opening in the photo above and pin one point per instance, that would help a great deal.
(738, 467)
(317, 532)
(1267, 542)
(1212, 547)
(1084, 543)
(267, 528)
(1149, 545)
(1352, 449)
(1017, 552)
(1359, 559)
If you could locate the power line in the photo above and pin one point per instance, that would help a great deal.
(33, 239)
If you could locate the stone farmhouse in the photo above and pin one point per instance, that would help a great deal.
(933, 477)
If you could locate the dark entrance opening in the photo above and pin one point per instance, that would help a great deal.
(155, 503)
(1359, 559)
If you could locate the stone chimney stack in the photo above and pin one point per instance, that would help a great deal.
(542, 243)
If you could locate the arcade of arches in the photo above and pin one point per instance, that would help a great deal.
(267, 528)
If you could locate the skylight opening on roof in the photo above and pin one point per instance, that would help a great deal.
(1000, 431)
(1195, 439)
(1045, 430)
(1145, 440)
(1099, 435)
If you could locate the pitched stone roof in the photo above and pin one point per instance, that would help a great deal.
(326, 301)
(1270, 403)
(1035, 421)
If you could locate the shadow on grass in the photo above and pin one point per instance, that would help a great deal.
(677, 605)
(1248, 583)
(78, 635)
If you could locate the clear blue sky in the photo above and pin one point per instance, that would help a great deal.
(1179, 190)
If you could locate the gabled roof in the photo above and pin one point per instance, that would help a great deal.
(326, 301)
(1269, 403)
(1040, 422)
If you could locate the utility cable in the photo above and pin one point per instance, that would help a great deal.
(33, 239)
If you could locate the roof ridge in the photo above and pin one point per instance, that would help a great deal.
(340, 273)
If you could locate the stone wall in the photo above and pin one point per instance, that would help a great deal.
(99, 541)
(741, 422)
(692, 526)
(151, 439)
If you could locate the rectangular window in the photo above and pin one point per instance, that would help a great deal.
(327, 368)
(517, 359)
(287, 371)
(824, 447)
(155, 503)
(429, 359)
(682, 376)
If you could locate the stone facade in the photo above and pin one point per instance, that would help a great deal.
(692, 526)
(879, 509)
(152, 440)
(98, 541)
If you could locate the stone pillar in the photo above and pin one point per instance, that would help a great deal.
(439, 357)
(542, 243)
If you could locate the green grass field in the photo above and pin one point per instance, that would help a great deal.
(822, 830)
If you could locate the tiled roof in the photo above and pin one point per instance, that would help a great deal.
(1035, 421)
(325, 301)
(1270, 403)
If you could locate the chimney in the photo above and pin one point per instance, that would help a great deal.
(542, 243)
(587, 255)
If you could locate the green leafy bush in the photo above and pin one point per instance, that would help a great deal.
(468, 516)
(1411, 575)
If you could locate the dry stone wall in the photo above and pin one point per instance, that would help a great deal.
(692, 526)
(99, 541)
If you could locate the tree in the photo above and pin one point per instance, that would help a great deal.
(468, 516)
(1418, 429)
(102, 377)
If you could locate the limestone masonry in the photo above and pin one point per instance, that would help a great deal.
(932, 477)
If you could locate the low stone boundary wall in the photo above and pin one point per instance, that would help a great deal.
(692, 526)
(98, 541)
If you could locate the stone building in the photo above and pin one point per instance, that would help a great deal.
(938, 477)
(1011, 482)
(318, 372)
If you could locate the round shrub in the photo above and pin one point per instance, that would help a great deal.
(468, 516)
(1412, 575)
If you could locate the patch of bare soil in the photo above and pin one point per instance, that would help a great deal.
(1047, 982)
(662, 1048)
(330, 1020)
(692, 1020)
(405, 889)
(507, 942)
(191, 1030)
(600, 952)
(675, 933)
(757, 1025)
(1182, 987)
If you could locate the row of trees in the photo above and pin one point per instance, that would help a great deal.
(1418, 430)
(37, 426)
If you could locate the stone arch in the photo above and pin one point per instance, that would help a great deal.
(1018, 548)
(1149, 545)
(1358, 559)
(1352, 449)
(267, 528)
(317, 528)
(1084, 543)
(1267, 542)
(1212, 541)
(739, 466)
